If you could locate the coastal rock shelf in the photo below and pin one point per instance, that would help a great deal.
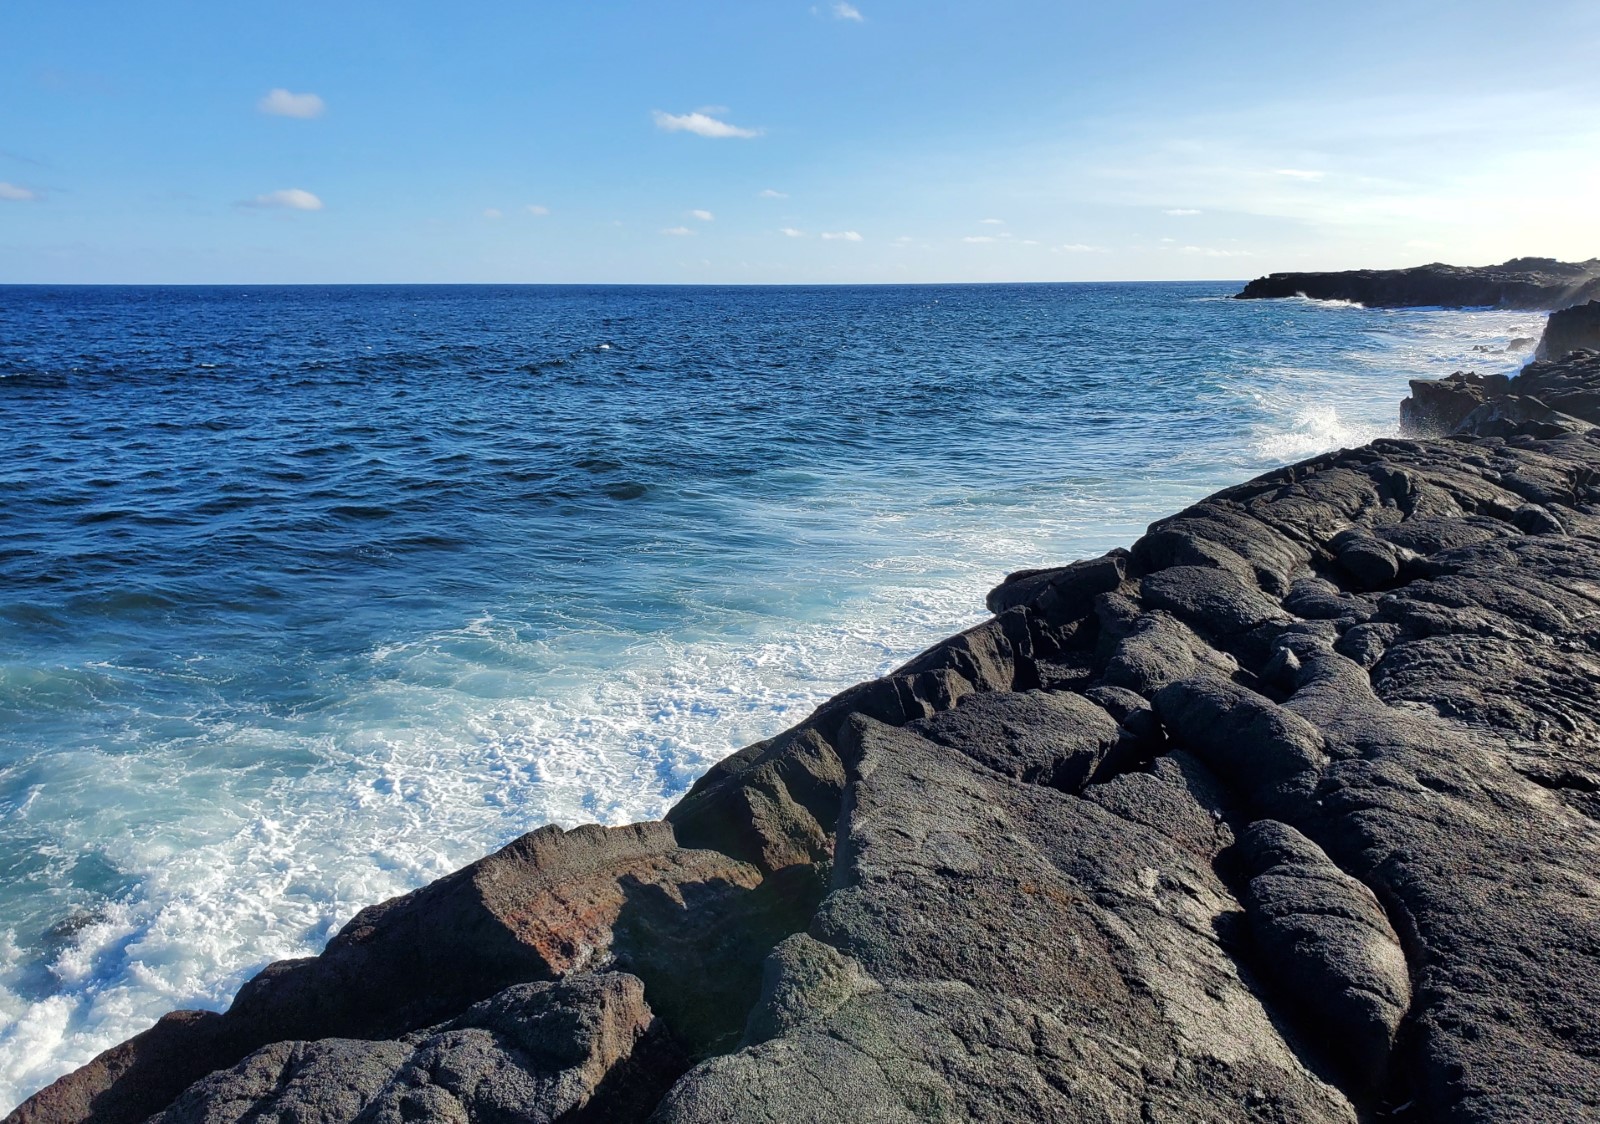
(1525, 283)
(1290, 812)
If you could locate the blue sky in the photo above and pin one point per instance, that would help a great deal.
(771, 141)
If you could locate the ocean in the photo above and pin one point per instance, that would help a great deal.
(309, 595)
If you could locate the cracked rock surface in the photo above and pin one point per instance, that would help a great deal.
(1289, 812)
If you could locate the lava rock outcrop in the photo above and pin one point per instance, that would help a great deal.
(1570, 329)
(1545, 399)
(1522, 283)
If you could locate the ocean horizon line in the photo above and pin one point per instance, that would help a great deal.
(600, 284)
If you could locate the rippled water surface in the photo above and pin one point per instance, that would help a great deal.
(310, 595)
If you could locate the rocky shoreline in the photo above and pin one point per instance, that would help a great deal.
(1289, 812)
(1522, 283)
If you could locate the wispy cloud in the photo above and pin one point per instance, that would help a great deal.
(1214, 252)
(771, 194)
(1180, 211)
(1481, 176)
(7, 154)
(1080, 248)
(977, 238)
(281, 103)
(289, 199)
(493, 213)
(13, 193)
(991, 222)
(677, 231)
(538, 209)
(1298, 173)
(840, 236)
(701, 125)
(843, 11)
(793, 233)
(703, 216)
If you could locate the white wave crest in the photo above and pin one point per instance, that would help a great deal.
(1315, 429)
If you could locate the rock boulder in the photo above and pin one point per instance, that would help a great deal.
(1569, 330)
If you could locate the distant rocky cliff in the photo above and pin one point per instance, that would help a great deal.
(1526, 283)
(1290, 812)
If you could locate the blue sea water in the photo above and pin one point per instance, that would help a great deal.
(310, 595)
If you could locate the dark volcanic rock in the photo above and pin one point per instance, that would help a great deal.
(1547, 398)
(1570, 385)
(534, 1053)
(1048, 738)
(135, 1078)
(1569, 330)
(1515, 415)
(546, 905)
(1520, 283)
(1033, 955)
(1437, 406)
(1324, 940)
(1291, 812)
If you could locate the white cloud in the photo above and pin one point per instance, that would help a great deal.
(840, 236)
(281, 103)
(771, 194)
(677, 231)
(1298, 174)
(290, 198)
(1081, 248)
(977, 238)
(538, 209)
(843, 11)
(701, 125)
(992, 222)
(1213, 252)
(703, 216)
(493, 213)
(793, 233)
(1180, 211)
(14, 194)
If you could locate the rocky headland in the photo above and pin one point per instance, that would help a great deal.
(1288, 812)
(1521, 283)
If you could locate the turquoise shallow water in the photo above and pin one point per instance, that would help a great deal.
(310, 595)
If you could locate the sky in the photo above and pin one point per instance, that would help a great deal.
(774, 141)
